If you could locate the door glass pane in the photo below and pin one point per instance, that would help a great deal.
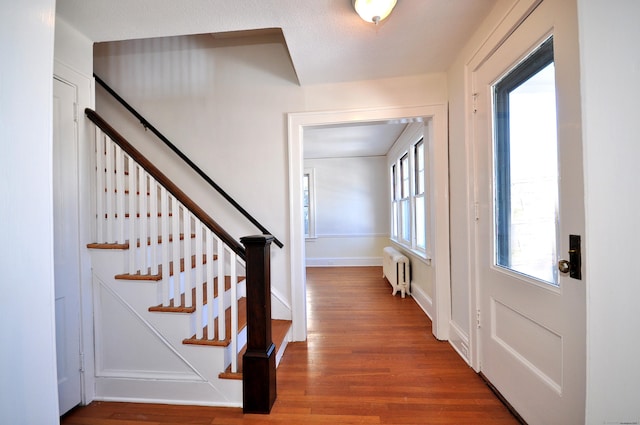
(526, 172)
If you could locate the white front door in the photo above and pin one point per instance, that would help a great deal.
(66, 245)
(529, 192)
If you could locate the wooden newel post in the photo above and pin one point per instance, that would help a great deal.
(259, 361)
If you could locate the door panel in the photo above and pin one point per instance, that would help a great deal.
(66, 245)
(532, 328)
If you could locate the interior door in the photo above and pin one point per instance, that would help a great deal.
(66, 245)
(529, 192)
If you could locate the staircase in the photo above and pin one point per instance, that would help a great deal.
(170, 293)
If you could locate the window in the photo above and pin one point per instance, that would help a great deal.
(408, 197)
(405, 207)
(308, 203)
(420, 216)
(526, 168)
(394, 203)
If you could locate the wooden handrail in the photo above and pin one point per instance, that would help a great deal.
(166, 182)
(148, 126)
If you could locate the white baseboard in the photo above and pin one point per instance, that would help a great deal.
(423, 300)
(344, 262)
(169, 392)
(459, 340)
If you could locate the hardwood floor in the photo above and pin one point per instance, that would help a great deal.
(370, 358)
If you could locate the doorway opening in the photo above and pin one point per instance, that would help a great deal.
(297, 124)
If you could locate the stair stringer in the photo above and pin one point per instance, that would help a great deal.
(127, 334)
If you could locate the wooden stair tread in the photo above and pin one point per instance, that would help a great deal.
(242, 323)
(125, 245)
(156, 277)
(279, 329)
(96, 245)
(171, 308)
(137, 215)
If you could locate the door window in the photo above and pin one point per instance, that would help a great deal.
(526, 168)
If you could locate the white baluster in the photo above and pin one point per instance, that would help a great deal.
(120, 194)
(222, 326)
(109, 190)
(175, 229)
(100, 148)
(143, 221)
(188, 284)
(133, 167)
(234, 312)
(210, 291)
(164, 208)
(153, 225)
(199, 278)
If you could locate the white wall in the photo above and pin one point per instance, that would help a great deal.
(610, 71)
(352, 211)
(412, 90)
(28, 388)
(73, 49)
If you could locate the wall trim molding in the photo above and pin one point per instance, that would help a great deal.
(344, 262)
(459, 341)
(351, 235)
(166, 392)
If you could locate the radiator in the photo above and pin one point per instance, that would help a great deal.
(397, 269)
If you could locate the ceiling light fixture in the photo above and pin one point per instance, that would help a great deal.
(373, 10)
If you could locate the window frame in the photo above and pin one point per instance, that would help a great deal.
(419, 196)
(405, 228)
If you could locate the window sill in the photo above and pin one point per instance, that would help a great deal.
(419, 255)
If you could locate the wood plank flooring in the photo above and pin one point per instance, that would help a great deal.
(370, 358)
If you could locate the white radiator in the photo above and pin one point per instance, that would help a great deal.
(397, 269)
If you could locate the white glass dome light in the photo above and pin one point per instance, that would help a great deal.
(374, 11)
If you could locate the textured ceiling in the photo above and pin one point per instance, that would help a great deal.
(327, 42)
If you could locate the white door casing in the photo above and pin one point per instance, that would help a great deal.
(531, 340)
(440, 199)
(66, 245)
